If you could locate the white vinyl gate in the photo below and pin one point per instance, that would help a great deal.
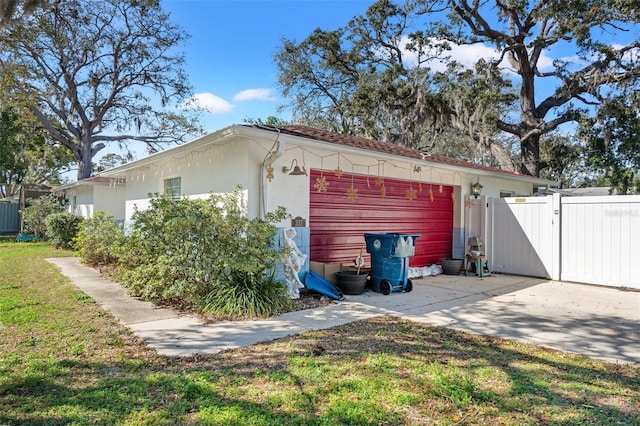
(583, 239)
(524, 235)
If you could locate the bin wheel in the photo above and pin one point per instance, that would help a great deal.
(409, 286)
(385, 287)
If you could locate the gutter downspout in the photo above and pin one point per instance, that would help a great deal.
(268, 160)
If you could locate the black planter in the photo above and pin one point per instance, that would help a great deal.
(451, 266)
(350, 282)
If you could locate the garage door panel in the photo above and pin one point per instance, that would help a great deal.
(338, 224)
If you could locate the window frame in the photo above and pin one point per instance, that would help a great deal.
(169, 190)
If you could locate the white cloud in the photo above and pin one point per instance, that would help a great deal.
(630, 55)
(210, 103)
(545, 62)
(468, 55)
(254, 95)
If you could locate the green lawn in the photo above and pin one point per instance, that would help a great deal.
(64, 361)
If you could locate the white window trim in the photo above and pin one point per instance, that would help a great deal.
(164, 186)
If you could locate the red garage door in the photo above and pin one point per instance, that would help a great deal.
(353, 205)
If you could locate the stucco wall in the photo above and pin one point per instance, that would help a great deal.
(85, 200)
(110, 198)
(80, 201)
(216, 169)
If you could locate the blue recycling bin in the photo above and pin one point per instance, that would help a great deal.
(390, 253)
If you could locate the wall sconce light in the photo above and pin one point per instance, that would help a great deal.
(476, 189)
(294, 170)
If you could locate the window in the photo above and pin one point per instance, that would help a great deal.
(173, 187)
(506, 194)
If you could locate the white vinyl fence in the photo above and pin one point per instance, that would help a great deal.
(592, 240)
(601, 240)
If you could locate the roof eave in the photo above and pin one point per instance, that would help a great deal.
(209, 138)
(79, 183)
(320, 144)
(257, 133)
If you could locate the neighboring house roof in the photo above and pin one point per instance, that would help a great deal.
(30, 190)
(595, 191)
(302, 134)
(11, 199)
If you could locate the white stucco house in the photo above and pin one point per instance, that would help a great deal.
(86, 196)
(336, 187)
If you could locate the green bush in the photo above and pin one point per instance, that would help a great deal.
(6, 238)
(62, 228)
(35, 215)
(98, 239)
(205, 253)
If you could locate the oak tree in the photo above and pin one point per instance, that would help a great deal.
(552, 63)
(13, 10)
(95, 73)
(26, 154)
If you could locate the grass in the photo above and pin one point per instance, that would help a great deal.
(65, 361)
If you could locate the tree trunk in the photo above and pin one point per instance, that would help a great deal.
(530, 153)
(502, 157)
(84, 160)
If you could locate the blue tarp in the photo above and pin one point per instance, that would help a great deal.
(317, 283)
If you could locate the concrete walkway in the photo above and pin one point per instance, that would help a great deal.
(595, 321)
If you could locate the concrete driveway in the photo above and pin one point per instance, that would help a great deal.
(598, 322)
(595, 321)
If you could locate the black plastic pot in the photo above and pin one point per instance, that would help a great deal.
(350, 282)
(451, 266)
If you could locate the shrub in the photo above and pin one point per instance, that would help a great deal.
(35, 215)
(247, 294)
(98, 239)
(62, 228)
(205, 253)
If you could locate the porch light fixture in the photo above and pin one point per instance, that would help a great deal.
(294, 170)
(476, 189)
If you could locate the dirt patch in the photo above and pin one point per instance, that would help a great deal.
(309, 300)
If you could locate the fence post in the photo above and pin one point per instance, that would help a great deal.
(556, 206)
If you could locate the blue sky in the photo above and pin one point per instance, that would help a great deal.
(230, 52)
(229, 57)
